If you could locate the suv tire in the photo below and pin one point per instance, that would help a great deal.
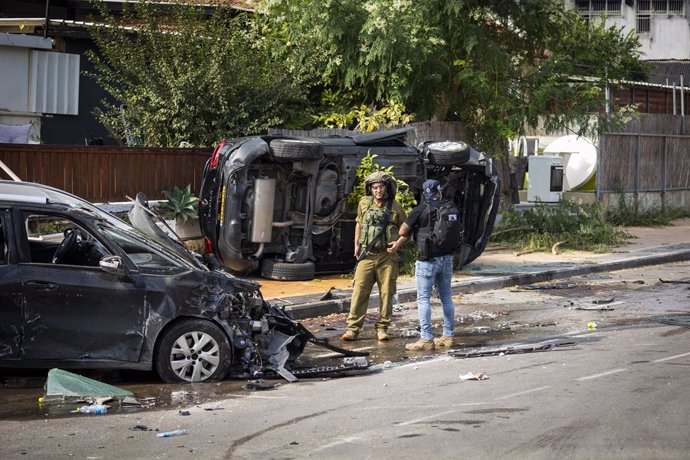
(296, 149)
(448, 153)
(210, 361)
(285, 271)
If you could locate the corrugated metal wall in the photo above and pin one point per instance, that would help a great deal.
(54, 83)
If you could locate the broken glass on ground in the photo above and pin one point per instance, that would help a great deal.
(61, 384)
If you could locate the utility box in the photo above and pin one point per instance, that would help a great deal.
(545, 182)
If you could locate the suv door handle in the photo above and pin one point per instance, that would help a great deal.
(42, 285)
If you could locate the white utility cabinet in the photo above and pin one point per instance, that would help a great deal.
(545, 183)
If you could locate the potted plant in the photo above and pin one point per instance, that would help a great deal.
(183, 205)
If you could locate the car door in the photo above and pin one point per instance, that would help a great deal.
(10, 293)
(75, 311)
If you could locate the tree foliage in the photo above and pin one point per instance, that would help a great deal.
(498, 66)
(187, 77)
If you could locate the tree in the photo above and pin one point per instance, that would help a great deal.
(179, 75)
(498, 66)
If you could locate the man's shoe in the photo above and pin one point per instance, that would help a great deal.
(444, 341)
(382, 335)
(350, 335)
(420, 345)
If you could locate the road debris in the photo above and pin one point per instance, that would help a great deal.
(541, 287)
(170, 434)
(603, 301)
(680, 281)
(474, 376)
(597, 307)
(140, 427)
(63, 383)
(480, 315)
(511, 349)
(592, 326)
(258, 385)
(92, 409)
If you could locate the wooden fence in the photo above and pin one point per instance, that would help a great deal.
(648, 162)
(106, 174)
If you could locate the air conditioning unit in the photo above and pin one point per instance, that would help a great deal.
(545, 179)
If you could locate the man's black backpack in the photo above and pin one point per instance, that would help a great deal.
(444, 232)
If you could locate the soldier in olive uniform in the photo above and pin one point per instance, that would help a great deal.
(376, 245)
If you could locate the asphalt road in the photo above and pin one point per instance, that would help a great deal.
(620, 392)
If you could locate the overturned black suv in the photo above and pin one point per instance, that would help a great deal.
(279, 204)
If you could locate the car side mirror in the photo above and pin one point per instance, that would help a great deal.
(112, 264)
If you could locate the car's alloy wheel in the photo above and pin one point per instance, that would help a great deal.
(193, 351)
(296, 149)
(448, 153)
(285, 271)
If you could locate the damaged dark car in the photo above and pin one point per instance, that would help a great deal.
(278, 205)
(81, 288)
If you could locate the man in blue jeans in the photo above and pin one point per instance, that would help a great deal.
(433, 267)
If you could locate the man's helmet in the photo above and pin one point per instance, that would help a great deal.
(383, 177)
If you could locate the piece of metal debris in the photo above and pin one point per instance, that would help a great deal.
(540, 287)
(510, 349)
(258, 385)
(680, 281)
(594, 307)
(603, 301)
(129, 401)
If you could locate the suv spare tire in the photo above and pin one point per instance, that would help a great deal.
(448, 153)
(296, 149)
(286, 271)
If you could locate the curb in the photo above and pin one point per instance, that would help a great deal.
(326, 307)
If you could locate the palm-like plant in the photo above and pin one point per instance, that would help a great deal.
(182, 203)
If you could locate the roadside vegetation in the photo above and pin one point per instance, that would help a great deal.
(573, 225)
(569, 225)
(629, 214)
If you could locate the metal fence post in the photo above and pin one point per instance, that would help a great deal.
(637, 172)
(664, 183)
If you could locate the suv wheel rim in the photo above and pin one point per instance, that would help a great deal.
(195, 356)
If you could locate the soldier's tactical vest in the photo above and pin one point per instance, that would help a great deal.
(372, 224)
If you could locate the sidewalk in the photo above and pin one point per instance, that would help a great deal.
(496, 268)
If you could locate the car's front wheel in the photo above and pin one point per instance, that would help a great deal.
(193, 350)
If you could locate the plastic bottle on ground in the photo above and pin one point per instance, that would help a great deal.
(170, 434)
(93, 409)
